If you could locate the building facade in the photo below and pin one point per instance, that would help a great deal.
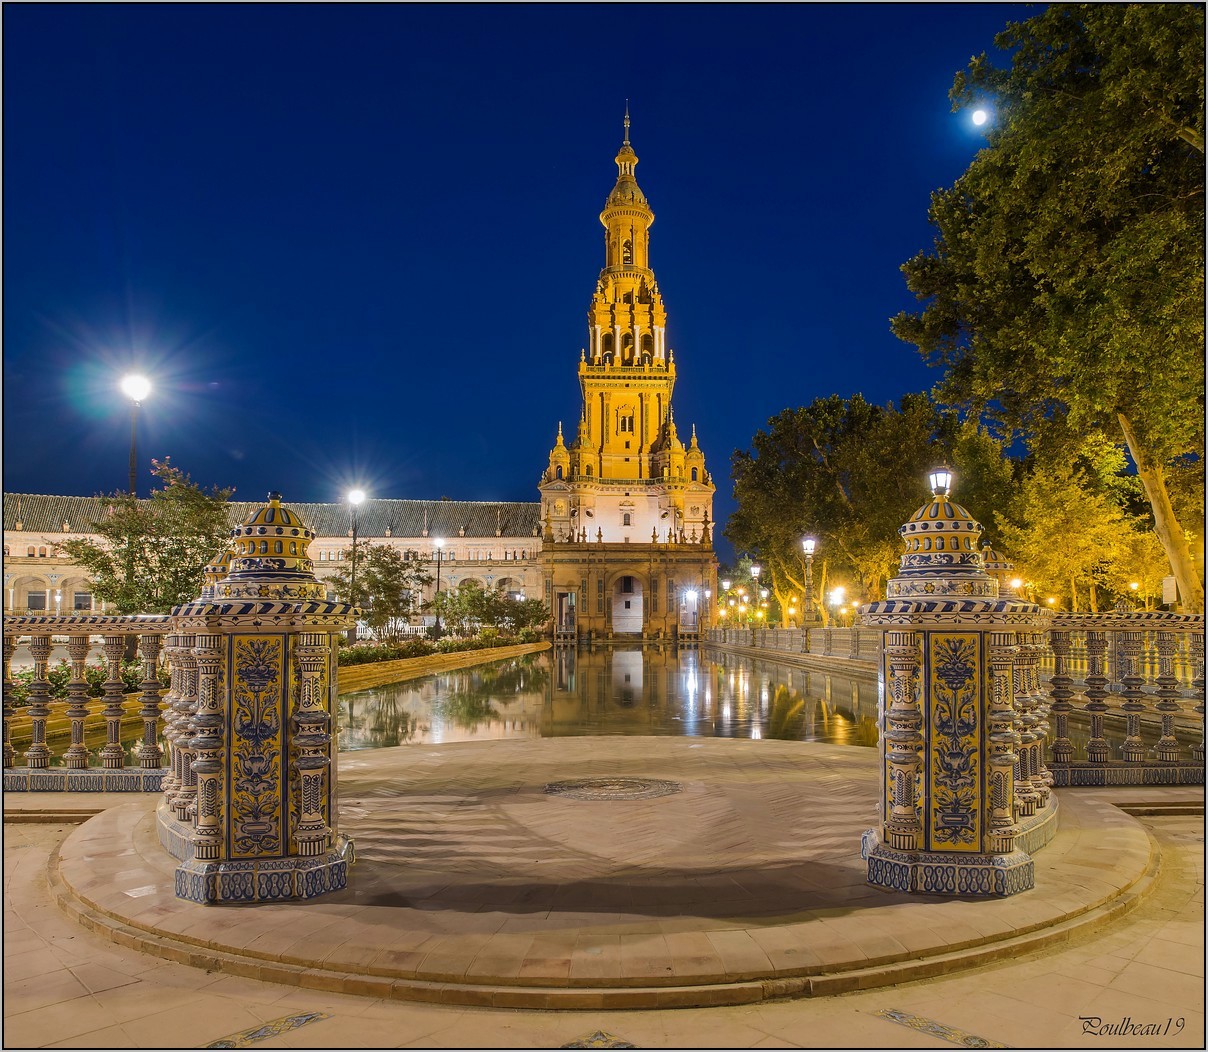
(494, 544)
(626, 507)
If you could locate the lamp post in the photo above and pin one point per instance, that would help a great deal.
(808, 545)
(356, 498)
(438, 543)
(136, 388)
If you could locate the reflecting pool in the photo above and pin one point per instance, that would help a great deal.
(615, 690)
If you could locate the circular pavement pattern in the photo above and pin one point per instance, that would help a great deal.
(474, 885)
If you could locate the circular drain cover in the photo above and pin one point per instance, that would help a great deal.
(614, 788)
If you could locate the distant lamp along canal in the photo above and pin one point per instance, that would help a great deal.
(952, 808)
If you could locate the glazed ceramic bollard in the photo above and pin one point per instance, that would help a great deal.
(258, 822)
(948, 735)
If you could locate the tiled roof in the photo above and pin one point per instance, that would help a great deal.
(405, 518)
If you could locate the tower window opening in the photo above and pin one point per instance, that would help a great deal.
(625, 423)
(626, 519)
(627, 251)
(558, 472)
(694, 473)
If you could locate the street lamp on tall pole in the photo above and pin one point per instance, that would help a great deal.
(356, 497)
(808, 545)
(438, 543)
(136, 388)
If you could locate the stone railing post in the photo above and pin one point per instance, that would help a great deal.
(1129, 648)
(1061, 690)
(1167, 749)
(37, 756)
(149, 751)
(113, 757)
(78, 646)
(1097, 749)
(10, 647)
(1197, 685)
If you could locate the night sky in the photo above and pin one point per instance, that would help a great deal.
(356, 244)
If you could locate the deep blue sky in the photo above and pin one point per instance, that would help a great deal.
(356, 244)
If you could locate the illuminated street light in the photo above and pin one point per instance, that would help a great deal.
(438, 543)
(135, 387)
(356, 497)
(940, 480)
(809, 546)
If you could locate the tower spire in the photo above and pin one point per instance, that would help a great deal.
(626, 122)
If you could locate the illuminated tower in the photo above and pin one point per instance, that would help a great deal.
(626, 486)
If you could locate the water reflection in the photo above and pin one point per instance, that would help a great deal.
(615, 691)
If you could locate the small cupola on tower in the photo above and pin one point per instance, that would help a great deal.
(559, 460)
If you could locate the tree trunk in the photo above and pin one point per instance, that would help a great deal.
(1094, 598)
(1073, 596)
(1165, 522)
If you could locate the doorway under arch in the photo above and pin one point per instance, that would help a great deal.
(627, 605)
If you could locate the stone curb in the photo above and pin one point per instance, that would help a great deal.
(510, 992)
(375, 674)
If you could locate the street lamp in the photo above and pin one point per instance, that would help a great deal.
(808, 545)
(438, 543)
(58, 600)
(356, 497)
(136, 388)
(941, 481)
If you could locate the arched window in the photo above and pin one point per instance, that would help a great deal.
(558, 472)
(694, 478)
(626, 519)
(627, 251)
(278, 548)
(589, 470)
(264, 547)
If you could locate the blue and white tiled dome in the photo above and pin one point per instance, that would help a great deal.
(269, 557)
(942, 555)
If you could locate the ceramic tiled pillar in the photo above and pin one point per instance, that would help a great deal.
(949, 738)
(263, 747)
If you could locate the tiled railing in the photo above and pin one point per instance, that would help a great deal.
(1142, 671)
(82, 635)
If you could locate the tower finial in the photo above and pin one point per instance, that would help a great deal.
(626, 122)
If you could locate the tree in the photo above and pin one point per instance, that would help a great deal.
(1066, 284)
(1063, 533)
(387, 586)
(152, 553)
(850, 473)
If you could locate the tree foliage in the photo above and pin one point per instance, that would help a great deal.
(849, 473)
(387, 587)
(470, 608)
(1066, 283)
(151, 554)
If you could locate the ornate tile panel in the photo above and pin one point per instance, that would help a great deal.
(955, 812)
(257, 773)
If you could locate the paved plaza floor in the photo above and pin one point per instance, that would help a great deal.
(593, 909)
